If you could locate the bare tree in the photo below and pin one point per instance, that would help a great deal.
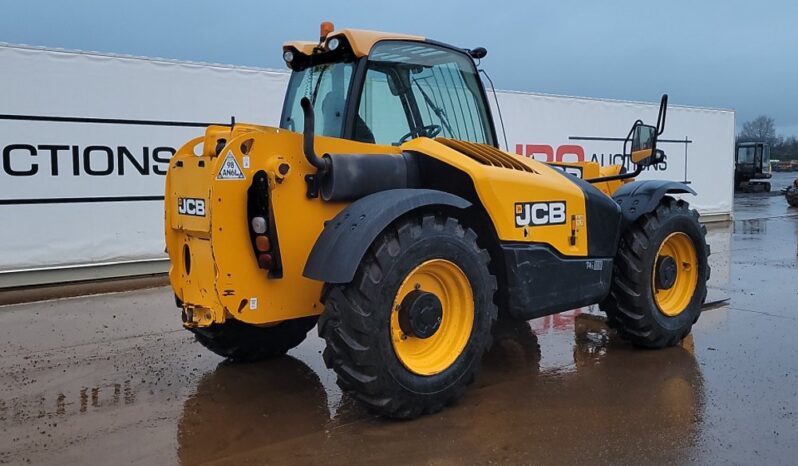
(761, 128)
(787, 149)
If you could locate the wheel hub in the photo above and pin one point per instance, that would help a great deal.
(425, 343)
(674, 277)
(665, 276)
(420, 314)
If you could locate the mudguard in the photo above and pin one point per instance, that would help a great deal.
(343, 242)
(641, 197)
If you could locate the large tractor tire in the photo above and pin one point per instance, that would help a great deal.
(242, 342)
(659, 276)
(406, 336)
(792, 196)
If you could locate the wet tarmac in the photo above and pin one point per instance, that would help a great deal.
(114, 379)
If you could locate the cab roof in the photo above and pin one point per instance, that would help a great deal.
(360, 41)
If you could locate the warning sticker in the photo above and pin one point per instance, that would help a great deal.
(230, 169)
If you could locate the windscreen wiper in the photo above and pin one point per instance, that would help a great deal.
(318, 83)
(438, 111)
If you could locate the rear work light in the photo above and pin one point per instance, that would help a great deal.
(262, 231)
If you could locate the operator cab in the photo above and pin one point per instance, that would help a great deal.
(752, 166)
(386, 88)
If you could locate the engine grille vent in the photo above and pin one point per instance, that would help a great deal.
(486, 155)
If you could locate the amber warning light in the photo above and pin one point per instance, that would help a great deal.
(326, 28)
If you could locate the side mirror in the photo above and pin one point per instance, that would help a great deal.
(643, 139)
(644, 142)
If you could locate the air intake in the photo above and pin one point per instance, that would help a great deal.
(486, 155)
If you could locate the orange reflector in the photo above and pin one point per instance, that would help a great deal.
(265, 261)
(326, 28)
(262, 243)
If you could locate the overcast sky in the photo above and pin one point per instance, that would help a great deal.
(729, 54)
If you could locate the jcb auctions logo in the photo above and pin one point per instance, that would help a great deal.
(539, 213)
(191, 206)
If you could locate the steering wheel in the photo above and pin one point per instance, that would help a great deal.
(429, 131)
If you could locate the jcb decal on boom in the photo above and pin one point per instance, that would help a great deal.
(539, 213)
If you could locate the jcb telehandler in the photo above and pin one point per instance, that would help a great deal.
(383, 208)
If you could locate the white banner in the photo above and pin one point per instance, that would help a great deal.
(86, 139)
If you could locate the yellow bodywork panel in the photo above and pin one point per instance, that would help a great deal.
(609, 187)
(360, 40)
(501, 189)
(303, 46)
(221, 274)
(214, 269)
(590, 170)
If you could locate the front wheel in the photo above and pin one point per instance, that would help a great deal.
(406, 336)
(659, 276)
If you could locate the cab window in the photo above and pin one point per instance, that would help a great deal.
(327, 87)
(416, 89)
(381, 116)
(745, 154)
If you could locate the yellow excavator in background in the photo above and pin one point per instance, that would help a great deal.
(383, 209)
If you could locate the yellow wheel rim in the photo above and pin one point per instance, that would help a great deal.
(432, 355)
(674, 300)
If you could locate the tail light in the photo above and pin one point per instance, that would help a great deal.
(262, 231)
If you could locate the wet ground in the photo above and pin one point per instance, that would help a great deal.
(114, 379)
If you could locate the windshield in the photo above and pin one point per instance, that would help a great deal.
(414, 89)
(327, 87)
(409, 90)
(745, 154)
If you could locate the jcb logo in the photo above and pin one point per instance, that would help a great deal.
(190, 206)
(539, 213)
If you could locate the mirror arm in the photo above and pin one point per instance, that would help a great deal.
(621, 176)
(663, 107)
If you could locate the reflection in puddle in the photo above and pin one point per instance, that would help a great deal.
(613, 397)
(515, 353)
(86, 400)
(250, 404)
(754, 226)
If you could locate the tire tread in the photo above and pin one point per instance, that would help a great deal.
(347, 322)
(627, 307)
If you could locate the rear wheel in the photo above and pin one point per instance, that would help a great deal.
(242, 342)
(659, 277)
(407, 335)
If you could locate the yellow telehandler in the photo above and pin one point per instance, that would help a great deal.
(382, 209)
